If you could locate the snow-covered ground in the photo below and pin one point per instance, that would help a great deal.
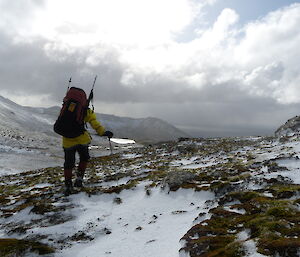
(128, 208)
(141, 226)
(16, 159)
(11, 163)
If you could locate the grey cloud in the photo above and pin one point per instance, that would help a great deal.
(29, 70)
(222, 109)
(215, 108)
(26, 68)
(249, 116)
(18, 14)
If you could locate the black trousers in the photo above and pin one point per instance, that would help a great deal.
(70, 154)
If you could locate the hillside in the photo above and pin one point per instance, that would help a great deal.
(199, 197)
(26, 138)
(142, 130)
(27, 120)
(21, 123)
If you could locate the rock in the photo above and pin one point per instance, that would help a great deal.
(118, 200)
(175, 179)
(290, 128)
(81, 236)
(187, 149)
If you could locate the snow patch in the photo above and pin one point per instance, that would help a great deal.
(140, 226)
(122, 141)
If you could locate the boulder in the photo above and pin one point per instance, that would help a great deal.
(290, 128)
(175, 179)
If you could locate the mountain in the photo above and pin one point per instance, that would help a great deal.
(143, 130)
(25, 127)
(23, 122)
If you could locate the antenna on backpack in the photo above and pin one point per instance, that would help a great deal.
(91, 96)
(70, 80)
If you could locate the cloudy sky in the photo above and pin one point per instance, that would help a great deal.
(211, 67)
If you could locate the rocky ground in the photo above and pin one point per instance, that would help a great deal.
(250, 186)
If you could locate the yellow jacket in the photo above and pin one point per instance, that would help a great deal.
(85, 138)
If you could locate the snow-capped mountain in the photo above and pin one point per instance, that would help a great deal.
(25, 128)
(23, 118)
(16, 121)
(26, 138)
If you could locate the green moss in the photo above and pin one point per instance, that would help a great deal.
(285, 191)
(239, 177)
(16, 247)
(94, 178)
(116, 176)
(120, 188)
(149, 186)
(279, 246)
(282, 188)
(92, 190)
(219, 185)
(4, 200)
(297, 201)
(195, 186)
(264, 225)
(281, 211)
(244, 196)
(42, 208)
(240, 167)
(250, 157)
(234, 249)
(103, 159)
(213, 246)
(220, 212)
(267, 218)
(157, 175)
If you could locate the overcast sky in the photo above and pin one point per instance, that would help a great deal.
(211, 67)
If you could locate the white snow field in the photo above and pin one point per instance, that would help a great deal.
(141, 226)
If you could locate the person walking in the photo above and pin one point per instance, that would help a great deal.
(76, 139)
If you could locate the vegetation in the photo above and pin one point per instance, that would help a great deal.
(269, 212)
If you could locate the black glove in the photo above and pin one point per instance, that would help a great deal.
(108, 134)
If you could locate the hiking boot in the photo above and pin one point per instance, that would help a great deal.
(78, 182)
(68, 191)
(68, 187)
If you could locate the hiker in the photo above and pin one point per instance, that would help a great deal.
(74, 114)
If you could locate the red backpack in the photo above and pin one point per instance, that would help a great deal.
(70, 122)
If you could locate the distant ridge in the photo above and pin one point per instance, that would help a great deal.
(24, 119)
(143, 129)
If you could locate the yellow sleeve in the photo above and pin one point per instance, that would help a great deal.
(92, 119)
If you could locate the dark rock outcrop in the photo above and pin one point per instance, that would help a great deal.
(290, 128)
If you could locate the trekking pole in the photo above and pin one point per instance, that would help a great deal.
(91, 96)
(110, 146)
(70, 80)
(94, 82)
